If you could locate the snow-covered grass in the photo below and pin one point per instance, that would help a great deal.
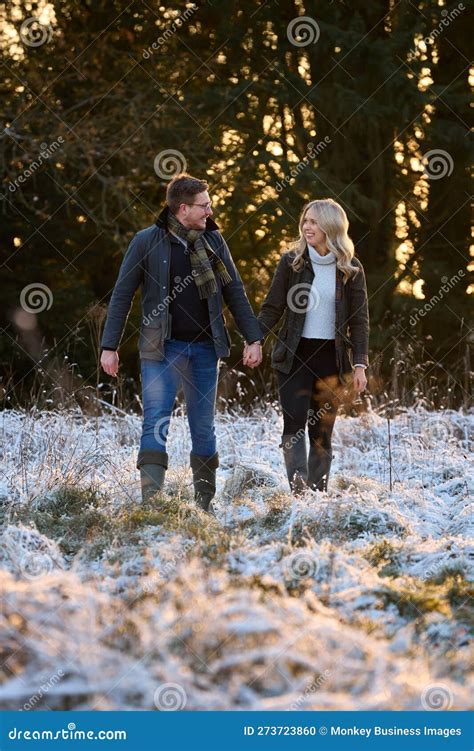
(360, 598)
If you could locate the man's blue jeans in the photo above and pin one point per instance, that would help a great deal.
(194, 365)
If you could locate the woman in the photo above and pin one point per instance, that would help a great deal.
(319, 288)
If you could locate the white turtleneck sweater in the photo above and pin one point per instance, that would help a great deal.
(320, 321)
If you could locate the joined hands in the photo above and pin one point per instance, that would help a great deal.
(252, 354)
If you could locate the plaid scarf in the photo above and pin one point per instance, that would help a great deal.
(201, 255)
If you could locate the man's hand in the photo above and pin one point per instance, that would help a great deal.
(252, 354)
(359, 382)
(110, 362)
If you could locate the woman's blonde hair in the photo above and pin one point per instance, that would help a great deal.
(333, 220)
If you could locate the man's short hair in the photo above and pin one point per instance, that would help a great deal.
(182, 188)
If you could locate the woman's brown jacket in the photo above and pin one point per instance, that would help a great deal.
(288, 297)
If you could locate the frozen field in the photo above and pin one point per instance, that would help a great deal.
(358, 599)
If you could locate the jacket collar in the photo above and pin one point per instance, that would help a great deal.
(306, 258)
(162, 223)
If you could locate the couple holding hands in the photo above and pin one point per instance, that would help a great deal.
(186, 274)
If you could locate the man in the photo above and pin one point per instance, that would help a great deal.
(186, 271)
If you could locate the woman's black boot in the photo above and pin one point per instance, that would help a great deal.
(294, 453)
(319, 464)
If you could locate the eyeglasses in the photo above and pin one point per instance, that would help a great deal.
(207, 205)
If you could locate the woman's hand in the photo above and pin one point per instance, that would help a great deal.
(252, 354)
(359, 382)
(110, 362)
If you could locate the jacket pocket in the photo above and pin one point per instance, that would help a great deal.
(280, 348)
(349, 350)
(345, 339)
(346, 359)
(150, 339)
